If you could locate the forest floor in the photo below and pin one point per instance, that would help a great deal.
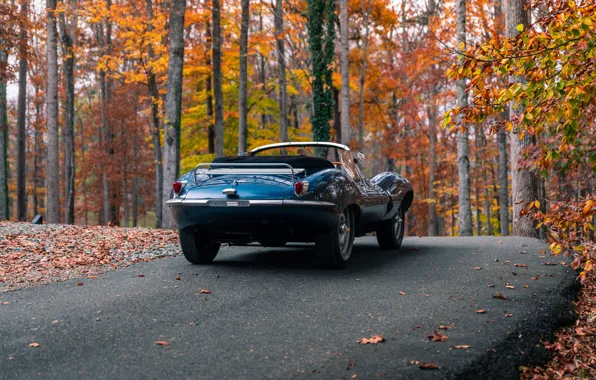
(574, 347)
(41, 254)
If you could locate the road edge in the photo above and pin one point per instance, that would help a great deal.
(524, 345)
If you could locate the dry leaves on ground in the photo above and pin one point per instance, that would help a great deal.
(500, 296)
(372, 340)
(437, 337)
(205, 291)
(161, 343)
(574, 351)
(48, 253)
(429, 366)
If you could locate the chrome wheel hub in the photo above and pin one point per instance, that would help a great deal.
(344, 233)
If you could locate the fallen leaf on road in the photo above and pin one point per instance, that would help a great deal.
(5, 303)
(90, 276)
(429, 366)
(79, 284)
(192, 324)
(481, 311)
(140, 275)
(523, 252)
(178, 278)
(500, 296)
(402, 293)
(548, 263)
(508, 315)
(520, 265)
(353, 376)
(413, 362)
(34, 344)
(491, 285)
(437, 337)
(350, 365)
(161, 343)
(542, 251)
(462, 346)
(205, 291)
(525, 286)
(507, 262)
(533, 278)
(442, 327)
(477, 268)
(372, 340)
(510, 287)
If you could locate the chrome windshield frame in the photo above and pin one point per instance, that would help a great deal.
(208, 166)
(298, 144)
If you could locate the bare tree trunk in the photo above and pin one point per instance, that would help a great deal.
(524, 182)
(4, 214)
(37, 153)
(463, 161)
(209, 91)
(433, 222)
(67, 37)
(243, 96)
(262, 80)
(281, 66)
(84, 180)
(503, 183)
(344, 59)
(366, 13)
(155, 132)
(217, 90)
(171, 164)
(22, 116)
(52, 165)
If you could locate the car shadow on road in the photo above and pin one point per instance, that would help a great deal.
(366, 256)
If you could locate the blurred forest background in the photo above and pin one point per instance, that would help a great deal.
(487, 107)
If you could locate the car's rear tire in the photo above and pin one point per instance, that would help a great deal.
(334, 248)
(390, 234)
(196, 248)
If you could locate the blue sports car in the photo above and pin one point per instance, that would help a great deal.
(292, 196)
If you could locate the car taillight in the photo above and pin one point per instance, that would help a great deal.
(177, 187)
(300, 188)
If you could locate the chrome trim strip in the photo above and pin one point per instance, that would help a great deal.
(298, 143)
(208, 166)
(254, 202)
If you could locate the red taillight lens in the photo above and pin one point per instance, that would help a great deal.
(177, 186)
(298, 187)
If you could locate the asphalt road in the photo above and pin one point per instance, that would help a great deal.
(273, 314)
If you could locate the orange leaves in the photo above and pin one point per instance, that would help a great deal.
(481, 311)
(402, 293)
(161, 343)
(429, 366)
(462, 346)
(34, 344)
(520, 265)
(437, 337)
(372, 340)
(205, 291)
(500, 296)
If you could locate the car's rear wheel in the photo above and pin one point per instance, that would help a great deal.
(196, 247)
(334, 248)
(390, 234)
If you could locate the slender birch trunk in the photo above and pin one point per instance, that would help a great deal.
(366, 13)
(22, 116)
(4, 214)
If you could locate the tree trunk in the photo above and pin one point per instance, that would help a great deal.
(261, 68)
(366, 13)
(217, 90)
(243, 96)
(463, 161)
(433, 222)
(209, 91)
(21, 116)
(523, 181)
(281, 65)
(37, 153)
(4, 215)
(67, 37)
(155, 132)
(503, 183)
(344, 59)
(52, 164)
(173, 118)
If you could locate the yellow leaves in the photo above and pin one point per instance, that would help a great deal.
(588, 266)
(462, 46)
(520, 27)
(587, 207)
(535, 205)
(556, 248)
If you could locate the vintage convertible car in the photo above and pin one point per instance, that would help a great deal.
(275, 199)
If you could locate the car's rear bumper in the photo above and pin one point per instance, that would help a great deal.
(241, 219)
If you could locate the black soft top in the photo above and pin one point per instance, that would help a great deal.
(310, 164)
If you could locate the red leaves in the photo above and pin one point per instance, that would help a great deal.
(372, 340)
(161, 343)
(205, 291)
(437, 337)
(79, 284)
